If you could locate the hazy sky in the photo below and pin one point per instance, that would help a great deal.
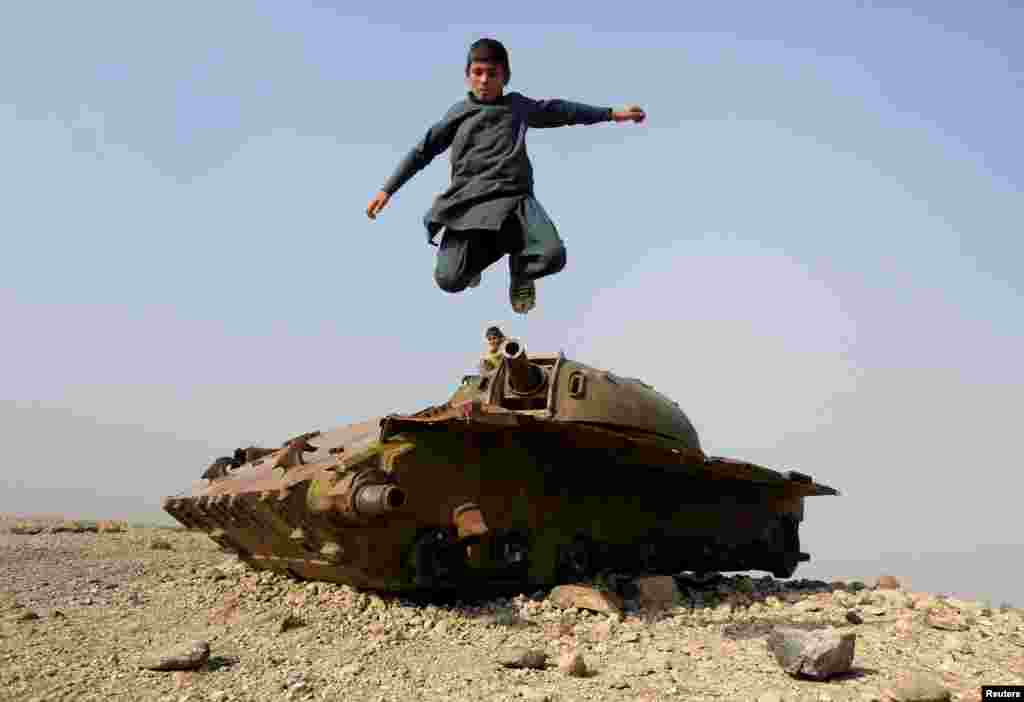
(814, 244)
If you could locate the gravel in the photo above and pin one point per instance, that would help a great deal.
(106, 603)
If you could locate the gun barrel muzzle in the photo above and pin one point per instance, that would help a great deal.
(523, 376)
(376, 499)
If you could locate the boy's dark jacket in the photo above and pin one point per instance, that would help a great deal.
(491, 172)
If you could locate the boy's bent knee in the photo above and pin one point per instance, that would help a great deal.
(550, 262)
(449, 283)
(555, 260)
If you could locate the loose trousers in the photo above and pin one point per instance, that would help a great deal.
(527, 236)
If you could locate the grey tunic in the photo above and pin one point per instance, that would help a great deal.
(490, 170)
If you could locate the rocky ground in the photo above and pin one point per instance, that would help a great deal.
(107, 615)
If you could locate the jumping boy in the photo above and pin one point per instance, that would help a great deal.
(489, 209)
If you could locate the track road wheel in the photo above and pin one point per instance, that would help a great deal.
(787, 547)
(575, 560)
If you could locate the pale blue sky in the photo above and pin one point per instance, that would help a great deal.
(814, 244)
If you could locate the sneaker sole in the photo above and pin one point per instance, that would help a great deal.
(524, 303)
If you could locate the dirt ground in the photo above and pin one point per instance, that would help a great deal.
(82, 614)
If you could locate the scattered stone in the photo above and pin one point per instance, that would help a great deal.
(25, 529)
(657, 592)
(808, 606)
(296, 684)
(571, 663)
(503, 618)
(160, 545)
(919, 687)
(111, 527)
(288, 622)
(179, 658)
(657, 661)
(230, 567)
(954, 644)
(947, 620)
(519, 657)
(602, 631)
(817, 654)
(923, 602)
(887, 582)
(892, 598)
(352, 669)
(681, 653)
(581, 597)
(27, 616)
(905, 625)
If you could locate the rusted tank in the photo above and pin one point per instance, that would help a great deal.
(542, 471)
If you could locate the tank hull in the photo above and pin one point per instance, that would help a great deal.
(497, 499)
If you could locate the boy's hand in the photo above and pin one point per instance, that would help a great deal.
(630, 113)
(379, 201)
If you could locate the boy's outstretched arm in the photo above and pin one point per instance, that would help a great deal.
(438, 138)
(564, 113)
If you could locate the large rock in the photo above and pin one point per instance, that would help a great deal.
(581, 597)
(187, 657)
(818, 654)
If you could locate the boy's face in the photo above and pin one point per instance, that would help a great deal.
(486, 80)
(493, 342)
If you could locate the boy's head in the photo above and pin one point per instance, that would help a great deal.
(494, 338)
(487, 69)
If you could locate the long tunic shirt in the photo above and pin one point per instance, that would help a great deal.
(491, 173)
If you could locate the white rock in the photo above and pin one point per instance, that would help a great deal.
(817, 654)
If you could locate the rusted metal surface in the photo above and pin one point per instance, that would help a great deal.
(541, 471)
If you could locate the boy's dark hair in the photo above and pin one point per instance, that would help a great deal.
(489, 51)
(494, 331)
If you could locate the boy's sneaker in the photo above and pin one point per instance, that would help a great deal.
(523, 295)
(474, 281)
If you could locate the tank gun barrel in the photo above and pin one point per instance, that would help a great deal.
(376, 499)
(524, 376)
